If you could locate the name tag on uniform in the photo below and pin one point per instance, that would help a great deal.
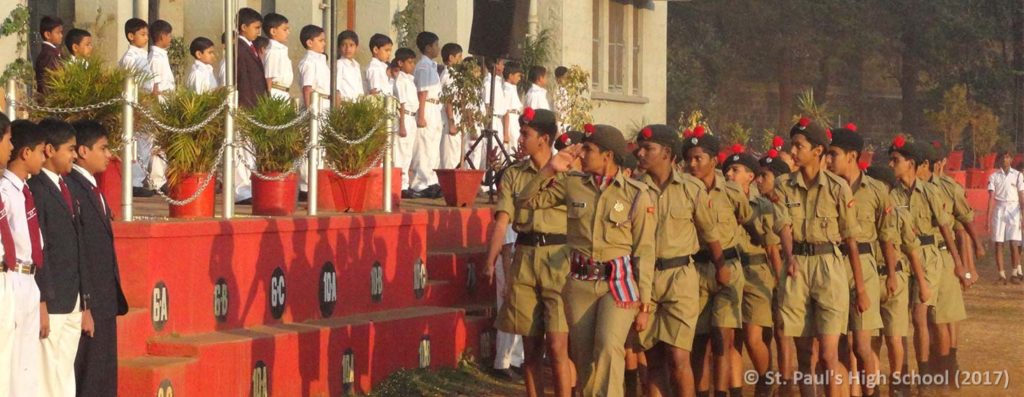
(579, 205)
(792, 205)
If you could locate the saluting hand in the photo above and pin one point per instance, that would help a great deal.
(562, 161)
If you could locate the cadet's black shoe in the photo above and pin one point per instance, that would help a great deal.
(141, 192)
(303, 197)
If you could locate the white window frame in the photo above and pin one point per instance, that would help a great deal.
(631, 89)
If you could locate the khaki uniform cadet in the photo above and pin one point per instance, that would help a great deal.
(685, 222)
(730, 208)
(949, 304)
(897, 228)
(610, 230)
(872, 205)
(758, 276)
(816, 301)
(538, 272)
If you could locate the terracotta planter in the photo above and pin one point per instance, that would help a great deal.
(349, 194)
(988, 161)
(375, 190)
(325, 190)
(201, 207)
(459, 187)
(109, 182)
(274, 197)
(955, 161)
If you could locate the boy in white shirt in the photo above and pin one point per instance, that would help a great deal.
(494, 67)
(1006, 192)
(78, 43)
(451, 141)
(428, 119)
(315, 78)
(513, 107)
(561, 96)
(408, 99)
(201, 77)
(537, 96)
(159, 62)
(350, 80)
(377, 79)
(277, 65)
(7, 297)
(137, 58)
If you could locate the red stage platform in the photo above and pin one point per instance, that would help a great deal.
(300, 306)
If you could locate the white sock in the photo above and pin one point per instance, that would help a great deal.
(1002, 274)
(1017, 271)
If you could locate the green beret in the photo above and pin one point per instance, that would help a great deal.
(606, 137)
(660, 134)
(815, 133)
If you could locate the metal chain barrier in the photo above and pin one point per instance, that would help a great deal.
(54, 110)
(374, 164)
(179, 130)
(202, 185)
(325, 128)
(240, 114)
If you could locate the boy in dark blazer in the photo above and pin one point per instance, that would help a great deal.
(63, 284)
(96, 362)
(252, 82)
(52, 30)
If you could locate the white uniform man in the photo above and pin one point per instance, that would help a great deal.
(426, 156)
(1006, 192)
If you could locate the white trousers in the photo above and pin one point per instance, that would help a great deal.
(25, 362)
(405, 149)
(244, 162)
(58, 354)
(1005, 222)
(426, 156)
(452, 147)
(508, 347)
(6, 334)
(148, 163)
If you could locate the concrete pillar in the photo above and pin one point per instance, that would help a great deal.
(374, 16)
(300, 13)
(203, 18)
(452, 20)
(105, 20)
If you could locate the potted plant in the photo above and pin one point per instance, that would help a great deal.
(89, 82)
(191, 156)
(274, 182)
(459, 185)
(354, 139)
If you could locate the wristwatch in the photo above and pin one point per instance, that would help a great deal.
(967, 275)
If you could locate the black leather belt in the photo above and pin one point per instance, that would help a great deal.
(728, 254)
(756, 259)
(540, 239)
(598, 270)
(862, 248)
(672, 263)
(813, 249)
(883, 270)
(929, 240)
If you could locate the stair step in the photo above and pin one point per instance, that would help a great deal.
(133, 329)
(454, 263)
(459, 227)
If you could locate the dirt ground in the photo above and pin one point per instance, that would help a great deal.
(991, 349)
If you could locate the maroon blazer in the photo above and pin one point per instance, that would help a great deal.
(252, 81)
(48, 58)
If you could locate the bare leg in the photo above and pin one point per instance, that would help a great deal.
(561, 365)
(829, 346)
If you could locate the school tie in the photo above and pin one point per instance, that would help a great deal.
(7, 238)
(66, 194)
(32, 215)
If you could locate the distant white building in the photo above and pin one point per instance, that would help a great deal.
(622, 42)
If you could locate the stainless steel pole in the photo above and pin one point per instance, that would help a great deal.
(229, 118)
(128, 152)
(313, 155)
(388, 104)
(330, 23)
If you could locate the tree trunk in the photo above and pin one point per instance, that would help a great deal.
(785, 80)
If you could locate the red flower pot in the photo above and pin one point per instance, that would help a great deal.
(459, 186)
(958, 176)
(375, 190)
(955, 161)
(109, 182)
(988, 161)
(274, 197)
(202, 206)
(349, 194)
(325, 190)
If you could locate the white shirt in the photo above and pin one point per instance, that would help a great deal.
(513, 107)
(222, 73)
(377, 79)
(52, 176)
(537, 98)
(447, 80)
(160, 67)
(14, 201)
(350, 79)
(201, 78)
(314, 72)
(138, 59)
(278, 68)
(427, 79)
(1006, 185)
(408, 98)
(500, 102)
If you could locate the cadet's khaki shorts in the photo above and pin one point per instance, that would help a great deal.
(758, 288)
(895, 308)
(816, 301)
(727, 304)
(871, 319)
(677, 306)
(534, 304)
(949, 307)
(931, 262)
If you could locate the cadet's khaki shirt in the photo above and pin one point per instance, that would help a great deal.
(961, 211)
(731, 209)
(872, 202)
(925, 206)
(819, 212)
(525, 220)
(899, 226)
(683, 215)
(602, 224)
(763, 222)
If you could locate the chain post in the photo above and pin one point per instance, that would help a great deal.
(128, 152)
(313, 154)
(388, 158)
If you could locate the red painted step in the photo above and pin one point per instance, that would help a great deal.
(302, 359)
(133, 331)
(459, 227)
